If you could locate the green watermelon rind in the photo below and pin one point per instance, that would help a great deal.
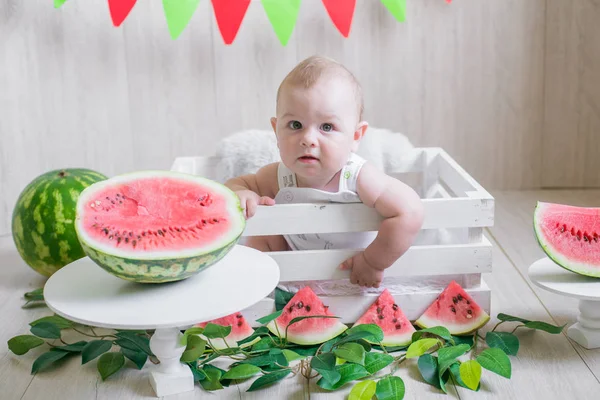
(555, 255)
(160, 267)
(43, 219)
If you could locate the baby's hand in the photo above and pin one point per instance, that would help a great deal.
(362, 273)
(249, 200)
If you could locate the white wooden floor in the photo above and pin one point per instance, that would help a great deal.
(547, 367)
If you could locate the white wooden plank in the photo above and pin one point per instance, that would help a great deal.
(356, 217)
(417, 261)
(459, 180)
(350, 308)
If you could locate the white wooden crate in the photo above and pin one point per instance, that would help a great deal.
(451, 244)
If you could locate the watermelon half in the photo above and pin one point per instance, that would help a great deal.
(158, 226)
(455, 310)
(569, 235)
(310, 330)
(240, 330)
(385, 313)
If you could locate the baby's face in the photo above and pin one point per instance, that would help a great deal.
(318, 127)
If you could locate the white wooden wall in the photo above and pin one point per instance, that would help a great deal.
(469, 77)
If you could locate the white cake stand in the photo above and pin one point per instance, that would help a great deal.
(546, 274)
(85, 293)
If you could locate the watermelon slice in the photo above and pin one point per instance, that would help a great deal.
(455, 310)
(311, 330)
(385, 313)
(240, 330)
(569, 236)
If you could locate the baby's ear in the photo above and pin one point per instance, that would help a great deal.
(274, 124)
(359, 132)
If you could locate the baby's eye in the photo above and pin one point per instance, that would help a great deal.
(327, 127)
(295, 125)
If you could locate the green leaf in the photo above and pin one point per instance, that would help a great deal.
(134, 342)
(374, 331)
(178, 14)
(495, 360)
(354, 337)
(259, 361)
(352, 352)
(439, 331)
(46, 359)
(268, 379)
(192, 331)
(214, 331)
(348, 372)
(73, 347)
(260, 331)
(543, 326)
(23, 343)
(306, 351)
(377, 361)
(109, 363)
(291, 355)
(46, 330)
(56, 320)
(35, 295)
(268, 318)
(363, 390)
(324, 364)
(366, 345)
(139, 358)
(93, 349)
(282, 297)
(264, 343)
(470, 373)
(390, 349)
(33, 304)
(469, 340)
(508, 342)
(278, 357)
(242, 371)
(213, 378)
(420, 347)
(447, 356)
(510, 318)
(455, 371)
(328, 345)
(194, 349)
(428, 367)
(390, 388)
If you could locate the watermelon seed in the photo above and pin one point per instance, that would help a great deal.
(395, 320)
(130, 234)
(378, 310)
(562, 229)
(468, 302)
(300, 305)
(160, 232)
(398, 326)
(395, 306)
(453, 310)
(126, 240)
(119, 239)
(239, 316)
(381, 316)
(307, 307)
(110, 237)
(105, 231)
(459, 297)
(469, 312)
(572, 231)
(291, 308)
(143, 233)
(134, 242)
(239, 323)
(326, 307)
(454, 300)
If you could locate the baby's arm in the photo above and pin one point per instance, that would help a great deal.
(255, 189)
(403, 211)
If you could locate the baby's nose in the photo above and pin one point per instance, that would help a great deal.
(309, 138)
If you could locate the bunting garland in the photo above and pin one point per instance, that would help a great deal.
(341, 13)
(229, 14)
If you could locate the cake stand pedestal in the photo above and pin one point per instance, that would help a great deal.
(85, 293)
(546, 274)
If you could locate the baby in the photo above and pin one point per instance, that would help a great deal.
(318, 128)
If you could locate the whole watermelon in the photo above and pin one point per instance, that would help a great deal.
(43, 218)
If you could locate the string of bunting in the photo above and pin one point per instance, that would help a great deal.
(229, 14)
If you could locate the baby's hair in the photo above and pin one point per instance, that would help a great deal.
(311, 69)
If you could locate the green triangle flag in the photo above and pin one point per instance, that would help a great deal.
(397, 8)
(58, 3)
(283, 15)
(178, 14)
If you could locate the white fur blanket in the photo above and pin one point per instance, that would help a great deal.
(246, 151)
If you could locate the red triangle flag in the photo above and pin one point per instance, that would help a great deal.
(229, 15)
(119, 10)
(341, 13)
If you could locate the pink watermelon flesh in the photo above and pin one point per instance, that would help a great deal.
(455, 310)
(569, 235)
(385, 313)
(240, 330)
(311, 330)
(156, 214)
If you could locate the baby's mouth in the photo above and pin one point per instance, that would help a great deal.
(308, 158)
